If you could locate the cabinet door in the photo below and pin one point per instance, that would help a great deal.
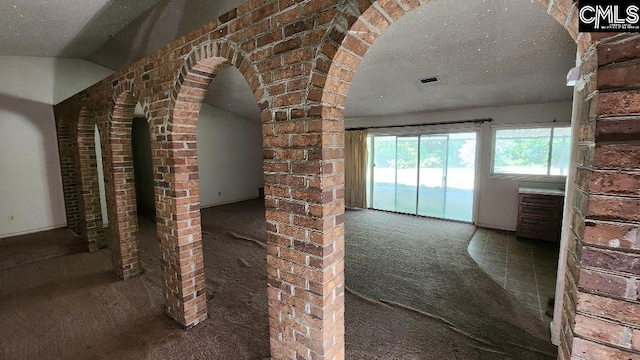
(540, 217)
(544, 212)
(540, 200)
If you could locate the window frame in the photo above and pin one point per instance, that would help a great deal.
(536, 177)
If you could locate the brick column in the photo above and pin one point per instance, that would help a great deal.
(175, 165)
(304, 188)
(67, 151)
(120, 188)
(91, 227)
(601, 315)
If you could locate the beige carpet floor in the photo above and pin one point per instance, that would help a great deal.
(28, 248)
(416, 294)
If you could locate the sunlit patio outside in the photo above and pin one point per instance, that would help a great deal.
(455, 203)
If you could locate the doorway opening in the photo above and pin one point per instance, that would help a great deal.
(425, 174)
(143, 168)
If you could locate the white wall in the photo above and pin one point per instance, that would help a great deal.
(229, 157)
(498, 197)
(31, 197)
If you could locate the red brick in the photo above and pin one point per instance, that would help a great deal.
(624, 236)
(604, 283)
(619, 103)
(617, 156)
(627, 48)
(635, 339)
(618, 129)
(599, 330)
(615, 183)
(620, 311)
(614, 208)
(287, 45)
(588, 350)
(618, 76)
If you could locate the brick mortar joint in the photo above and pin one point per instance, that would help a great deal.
(570, 14)
(609, 169)
(615, 223)
(586, 144)
(616, 117)
(596, 195)
(550, 6)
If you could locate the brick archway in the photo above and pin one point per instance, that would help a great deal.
(204, 62)
(120, 183)
(175, 164)
(91, 227)
(357, 27)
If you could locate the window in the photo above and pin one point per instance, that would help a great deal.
(538, 151)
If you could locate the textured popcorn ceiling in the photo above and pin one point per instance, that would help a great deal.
(485, 52)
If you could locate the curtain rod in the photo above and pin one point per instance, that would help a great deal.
(475, 121)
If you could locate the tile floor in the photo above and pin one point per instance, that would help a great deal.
(526, 269)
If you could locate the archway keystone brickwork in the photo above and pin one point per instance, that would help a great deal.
(299, 58)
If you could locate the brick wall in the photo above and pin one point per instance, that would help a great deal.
(299, 58)
(601, 317)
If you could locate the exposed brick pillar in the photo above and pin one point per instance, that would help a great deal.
(120, 188)
(91, 227)
(67, 150)
(175, 166)
(601, 315)
(304, 188)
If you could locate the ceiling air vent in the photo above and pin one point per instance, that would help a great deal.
(433, 79)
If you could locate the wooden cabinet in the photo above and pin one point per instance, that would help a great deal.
(540, 216)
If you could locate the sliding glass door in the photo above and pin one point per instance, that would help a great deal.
(384, 173)
(406, 174)
(428, 175)
(460, 176)
(433, 182)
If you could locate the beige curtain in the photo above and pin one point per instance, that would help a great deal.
(355, 162)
